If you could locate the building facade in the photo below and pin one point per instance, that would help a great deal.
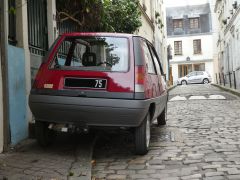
(228, 42)
(189, 34)
(153, 18)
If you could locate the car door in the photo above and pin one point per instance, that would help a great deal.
(191, 77)
(199, 77)
(151, 89)
(161, 81)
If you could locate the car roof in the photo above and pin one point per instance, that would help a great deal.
(99, 34)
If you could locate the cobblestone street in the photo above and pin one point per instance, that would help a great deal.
(200, 141)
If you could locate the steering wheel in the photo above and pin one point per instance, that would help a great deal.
(105, 62)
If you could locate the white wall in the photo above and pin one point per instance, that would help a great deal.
(174, 3)
(145, 30)
(160, 34)
(232, 39)
(187, 47)
(209, 68)
(52, 24)
(175, 73)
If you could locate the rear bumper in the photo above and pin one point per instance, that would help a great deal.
(89, 111)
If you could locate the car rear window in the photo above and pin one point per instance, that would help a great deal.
(92, 53)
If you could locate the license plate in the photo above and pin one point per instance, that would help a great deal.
(95, 83)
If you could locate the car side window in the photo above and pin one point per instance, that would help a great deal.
(155, 59)
(148, 58)
(199, 73)
(194, 74)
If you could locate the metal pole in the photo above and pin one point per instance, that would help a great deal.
(224, 83)
(220, 81)
(4, 66)
(234, 80)
(216, 78)
(230, 80)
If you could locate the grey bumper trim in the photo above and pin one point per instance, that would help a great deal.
(89, 111)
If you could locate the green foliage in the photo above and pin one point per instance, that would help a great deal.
(121, 16)
(100, 15)
(12, 10)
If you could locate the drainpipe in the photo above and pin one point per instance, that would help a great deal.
(4, 68)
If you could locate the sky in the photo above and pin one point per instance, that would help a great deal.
(174, 3)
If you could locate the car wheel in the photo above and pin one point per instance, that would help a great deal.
(184, 82)
(161, 120)
(205, 81)
(142, 136)
(44, 135)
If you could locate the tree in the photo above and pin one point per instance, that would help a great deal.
(121, 16)
(84, 13)
(100, 15)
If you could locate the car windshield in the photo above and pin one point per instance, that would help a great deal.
(92, 53)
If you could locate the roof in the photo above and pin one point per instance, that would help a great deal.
(190, 11)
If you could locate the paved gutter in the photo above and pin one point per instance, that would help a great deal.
(233, 91)
(171, 87)
(81, 168)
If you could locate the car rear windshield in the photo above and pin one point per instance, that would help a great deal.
(92, 53)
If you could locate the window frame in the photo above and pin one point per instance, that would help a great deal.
(197, 48)
(146, 43)
(178, 52)
(192, 23)
(156, 61)
(177, 24)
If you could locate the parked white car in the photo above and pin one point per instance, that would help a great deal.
(195, 77)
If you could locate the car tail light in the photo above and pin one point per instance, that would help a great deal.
(139, 78)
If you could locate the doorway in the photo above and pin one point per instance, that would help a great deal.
(184, 69)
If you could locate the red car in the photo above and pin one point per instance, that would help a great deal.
(99, 80)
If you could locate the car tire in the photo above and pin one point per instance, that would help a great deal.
(44, 135)
(161, 120)
(183, 82)
(205, 81)
(142, 136)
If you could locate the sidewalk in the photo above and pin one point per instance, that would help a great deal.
(228, 89)
(69, 158)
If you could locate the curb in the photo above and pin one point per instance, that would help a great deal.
(237, 93)
(82, 168)
(171, 87)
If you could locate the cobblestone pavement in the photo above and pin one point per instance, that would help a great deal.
(68, 158)
(201, 141)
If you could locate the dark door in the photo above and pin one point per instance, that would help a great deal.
(37, 27)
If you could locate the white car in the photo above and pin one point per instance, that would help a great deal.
(195, 77)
